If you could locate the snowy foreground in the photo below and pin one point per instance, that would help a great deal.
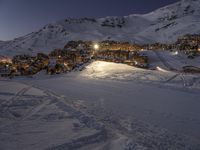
(105, 106)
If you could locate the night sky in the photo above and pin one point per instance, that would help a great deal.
(19, 17)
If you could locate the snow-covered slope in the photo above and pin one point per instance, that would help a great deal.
(173, 21)
(105, 106)
(162, 25)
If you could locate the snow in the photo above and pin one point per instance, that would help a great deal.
(108, 70)
(163, 25)
(105, 106)
(35, 119)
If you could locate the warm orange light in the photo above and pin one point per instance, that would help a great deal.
(96, 46)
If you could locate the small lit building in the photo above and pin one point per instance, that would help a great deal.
(198, 48)
(5, 60)
(5, 70)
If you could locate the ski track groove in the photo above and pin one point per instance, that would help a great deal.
(15, 97)
(165, 63)
(62, 104)
(172, 78)
(36, 109)
(113, 126)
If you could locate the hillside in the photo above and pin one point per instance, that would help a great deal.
(162, 25)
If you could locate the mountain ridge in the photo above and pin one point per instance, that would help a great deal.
(163, 25)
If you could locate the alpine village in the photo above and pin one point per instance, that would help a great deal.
(76, 54)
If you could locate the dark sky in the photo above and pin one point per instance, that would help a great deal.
(19, 17)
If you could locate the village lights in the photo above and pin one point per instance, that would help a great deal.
(96, 46)
(65, 64)
(176, 53)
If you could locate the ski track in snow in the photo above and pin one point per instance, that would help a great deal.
(34, 113)
(138, 134)
(111, 125)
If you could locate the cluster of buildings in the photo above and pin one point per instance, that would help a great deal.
(115, 45)
(76, 53)
(189, 43)
(67, 59)
(73, 55)
(24, 65)
(159, 46)
(5, 63)
(133, 58)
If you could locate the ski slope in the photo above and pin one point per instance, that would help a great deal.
(104, 106)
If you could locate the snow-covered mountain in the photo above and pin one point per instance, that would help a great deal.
(162, 25)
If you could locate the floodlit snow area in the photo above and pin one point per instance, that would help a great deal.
(106, 106)
(109, 70)
(166, 69)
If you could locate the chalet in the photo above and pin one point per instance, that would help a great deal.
(4, 60)
(5, 70)
(198, 48)
(57, 66)
(51, 68)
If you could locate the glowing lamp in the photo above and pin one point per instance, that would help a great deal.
(96, 46)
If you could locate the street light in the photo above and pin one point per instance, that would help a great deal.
(96, 46)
